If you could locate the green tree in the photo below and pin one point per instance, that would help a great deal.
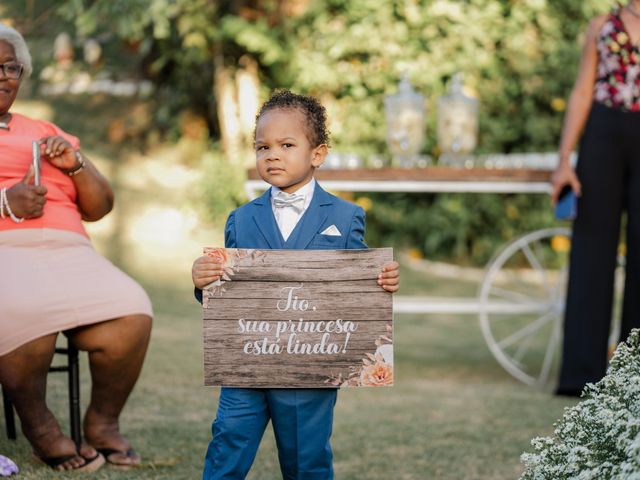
(219, 58)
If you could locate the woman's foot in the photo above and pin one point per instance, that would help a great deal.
(123, 459)
(87, 459)
(107, 440)
(50, 446)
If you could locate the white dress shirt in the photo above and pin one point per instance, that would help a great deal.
(287, 217)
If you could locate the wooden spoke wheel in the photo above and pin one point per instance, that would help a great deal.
(522, 300)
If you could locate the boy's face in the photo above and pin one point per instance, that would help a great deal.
(284, 155)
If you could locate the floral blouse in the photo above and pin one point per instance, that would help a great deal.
(618, 77)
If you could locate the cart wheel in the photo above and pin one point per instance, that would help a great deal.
(521, 302)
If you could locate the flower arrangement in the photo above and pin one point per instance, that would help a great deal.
(376, 369)
(376, 372)
(599, 438)
(233, 260)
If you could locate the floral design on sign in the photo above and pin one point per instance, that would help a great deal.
(376, 369)
(232, 260)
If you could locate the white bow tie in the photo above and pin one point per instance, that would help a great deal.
(295, 201)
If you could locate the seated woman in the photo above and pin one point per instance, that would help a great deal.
(53, 281)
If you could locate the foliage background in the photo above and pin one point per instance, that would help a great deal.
(519, 58)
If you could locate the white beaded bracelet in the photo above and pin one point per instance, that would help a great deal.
(5, 203)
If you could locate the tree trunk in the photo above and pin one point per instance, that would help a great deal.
(236, 92)
(227, 109)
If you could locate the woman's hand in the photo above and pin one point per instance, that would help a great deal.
(27, 200)
(206, 270)
(59, 152)
(95, 197)
(564, 175)
(389, 278)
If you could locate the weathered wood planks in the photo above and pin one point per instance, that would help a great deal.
(298, 318)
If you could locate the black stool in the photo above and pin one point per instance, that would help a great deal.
(72, 368)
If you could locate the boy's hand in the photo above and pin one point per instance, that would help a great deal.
(389, 278)
(205, 270)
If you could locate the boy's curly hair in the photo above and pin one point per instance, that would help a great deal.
(311, 108)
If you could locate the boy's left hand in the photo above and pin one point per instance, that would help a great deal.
(389, 278)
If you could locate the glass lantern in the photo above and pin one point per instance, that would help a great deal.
(405, 116)
(457, 125)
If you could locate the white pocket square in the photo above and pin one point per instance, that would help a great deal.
(331, 231)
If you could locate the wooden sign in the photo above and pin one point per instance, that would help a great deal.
(298, 318)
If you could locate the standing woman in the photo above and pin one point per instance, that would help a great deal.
(52, 280)
(605, 102)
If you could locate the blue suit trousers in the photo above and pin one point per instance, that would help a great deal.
(302, 421)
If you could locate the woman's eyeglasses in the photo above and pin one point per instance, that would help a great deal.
(12, 70)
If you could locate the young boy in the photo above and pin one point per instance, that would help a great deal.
(291, 141)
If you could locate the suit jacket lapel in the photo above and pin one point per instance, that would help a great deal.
(266, 222)
(311, 221)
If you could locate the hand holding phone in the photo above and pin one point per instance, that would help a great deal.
(567, 206)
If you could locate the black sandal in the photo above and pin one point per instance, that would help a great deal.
(129, 454)
(91, 464)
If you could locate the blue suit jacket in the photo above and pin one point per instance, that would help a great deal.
(253, 225)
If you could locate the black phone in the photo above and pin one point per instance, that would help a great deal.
(567, 206)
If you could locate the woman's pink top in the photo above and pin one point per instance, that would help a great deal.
(60, 211)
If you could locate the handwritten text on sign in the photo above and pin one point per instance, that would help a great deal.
(292, 329)
(303, 318)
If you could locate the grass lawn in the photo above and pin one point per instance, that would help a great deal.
(453, 413)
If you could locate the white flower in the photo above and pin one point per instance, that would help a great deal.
(624, 94)
(602, 70)
(610, 62)
(606, 29)
(602, 92)
(600, 437)
(386, 351)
